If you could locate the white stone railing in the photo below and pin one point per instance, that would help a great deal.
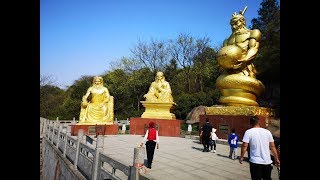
(44, 122)
(88, 158)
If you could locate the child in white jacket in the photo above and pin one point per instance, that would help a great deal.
(214, 137)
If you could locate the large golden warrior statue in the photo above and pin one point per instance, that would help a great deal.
(160, 90)
(238, 85)
(97, 104)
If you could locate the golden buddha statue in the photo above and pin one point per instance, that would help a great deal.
(159, 101)
(238, 85)
(97, 104)
(160, 90)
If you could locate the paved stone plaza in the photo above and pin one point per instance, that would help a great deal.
(180, 158)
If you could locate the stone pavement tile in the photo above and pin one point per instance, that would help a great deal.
(183, 176)
(163, 176)
(207, 174)
(180, 166)
(188, 164)
(162, 159)
(232, 169)
(170, 157)
(160, 173)
(232, 172)
(180, 158)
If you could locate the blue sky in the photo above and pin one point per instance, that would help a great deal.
(82, 37)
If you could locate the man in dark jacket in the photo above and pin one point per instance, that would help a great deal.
(206, 135)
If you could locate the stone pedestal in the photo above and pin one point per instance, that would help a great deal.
(224, 118)
(139, 126)
(111, 129)
(156, 110)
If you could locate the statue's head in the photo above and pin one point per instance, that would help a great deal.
(97, 80)
(160, 76)
(238, 21)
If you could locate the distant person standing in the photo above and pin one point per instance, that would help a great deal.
(206, 135)
(151, 139)
(233, 143)
(214, 139)
(261, 143)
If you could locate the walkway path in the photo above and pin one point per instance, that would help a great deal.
(180, 158)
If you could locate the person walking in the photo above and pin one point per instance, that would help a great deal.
(151, 139)
(261, 142)
(233, 143)
(206, 135)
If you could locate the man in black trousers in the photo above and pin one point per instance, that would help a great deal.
(206, 135)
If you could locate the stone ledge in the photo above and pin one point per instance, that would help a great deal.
(239, 110)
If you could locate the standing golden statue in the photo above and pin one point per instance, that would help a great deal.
(97, 104)
(238, 85)
(159, 101)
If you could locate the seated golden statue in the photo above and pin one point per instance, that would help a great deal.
(97, 104)
(160, 90)
(159, 100)
(238, 85)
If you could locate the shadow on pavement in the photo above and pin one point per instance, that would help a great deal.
(237, 158)
(199, 149)
(198, 142)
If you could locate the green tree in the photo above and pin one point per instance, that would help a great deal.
(183, 50)
(152, 55)
(51, 98)
(72, 103)
(140, 82)
(268, 59)
(205, 70)
(187, 101)
(126, 64)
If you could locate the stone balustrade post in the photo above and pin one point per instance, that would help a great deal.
(52, 132)
(56, 127)
(96, 161)
(48, 130)
(57, 122)
(47, 127)
(138, 162)
(69, 130)
(41, 126)
(44, 127)
(64, 127)
(58, 138)
(79, 140)
(65, 144)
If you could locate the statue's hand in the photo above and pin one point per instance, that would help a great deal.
(84, 104)
(243, 59)
(237, 66)
(159, 86)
